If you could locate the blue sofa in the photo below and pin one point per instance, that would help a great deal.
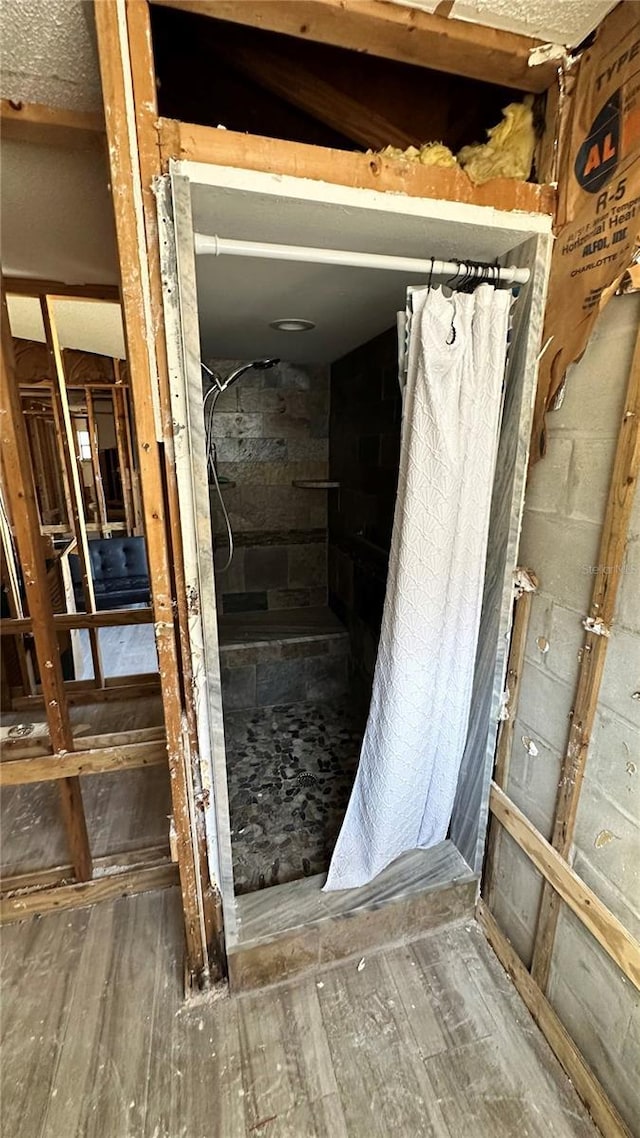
(119, 570)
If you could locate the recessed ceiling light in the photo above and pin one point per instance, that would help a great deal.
(292, 324)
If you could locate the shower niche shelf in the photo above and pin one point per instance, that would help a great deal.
(315, 484)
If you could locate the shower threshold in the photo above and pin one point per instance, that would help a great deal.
(294, 928)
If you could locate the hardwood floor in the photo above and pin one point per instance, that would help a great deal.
(424, 1040)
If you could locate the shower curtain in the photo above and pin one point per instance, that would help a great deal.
(406, 781)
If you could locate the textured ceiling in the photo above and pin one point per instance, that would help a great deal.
(48, 53)
(565, 22)
(89, 325)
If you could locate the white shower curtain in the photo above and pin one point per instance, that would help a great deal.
(406, 782)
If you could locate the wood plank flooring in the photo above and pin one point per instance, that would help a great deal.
(424, 1040)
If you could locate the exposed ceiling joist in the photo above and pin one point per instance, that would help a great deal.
(393, 32)
(51, 126)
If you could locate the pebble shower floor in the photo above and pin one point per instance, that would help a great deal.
(290, 772)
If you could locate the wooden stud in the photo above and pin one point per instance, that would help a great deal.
(25, 746)
(613, 543)
(64, 621)
(515, 665)
(22, 502)
(366, 171)
(78, 896)
(82, 692)
(115, 68)
(71, 466)
(38, 287)
(105, 530)
(406, 34)
(610, 933)
(11, 582)
(51, 126)
(63, 874)
(144, 90)
(120, 429)
(600, 1107)
(132, 756)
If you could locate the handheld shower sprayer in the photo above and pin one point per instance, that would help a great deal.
(218, 386)
(222, 384)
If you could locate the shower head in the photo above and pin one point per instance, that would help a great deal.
(264, 365)
(258, 365)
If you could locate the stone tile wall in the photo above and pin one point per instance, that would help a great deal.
(364, 454)
(270, 429)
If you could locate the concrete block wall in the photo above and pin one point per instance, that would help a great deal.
(564, 512)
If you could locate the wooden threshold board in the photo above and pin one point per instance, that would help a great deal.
(290, 929)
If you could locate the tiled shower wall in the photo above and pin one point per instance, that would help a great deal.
(364, 452)
(271, 428)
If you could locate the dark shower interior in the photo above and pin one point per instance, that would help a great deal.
(307, 457)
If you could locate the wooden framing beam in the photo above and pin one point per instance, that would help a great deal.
(409, 35)
(116, 61)
(51, 126)
(105, 529)
(68, 446)
(63, 874)
(515, 665)
(25, 746)
(600, 1107)
(102, 760)
(83, 692)
(613, 543)
(196, 143)
(82, 894)
(22, 503)
(610, 933)
(37, 287)
(124, 459)
(65, 621)
(146, 113)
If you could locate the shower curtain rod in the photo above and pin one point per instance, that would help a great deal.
(225, 246)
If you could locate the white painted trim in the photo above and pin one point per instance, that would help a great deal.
(328, 193)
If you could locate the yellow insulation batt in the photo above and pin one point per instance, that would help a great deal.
(508, 152)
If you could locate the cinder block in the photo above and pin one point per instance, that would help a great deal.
(533, 779)
(590, 478)
(549, 480)
(544, 707)
(562, 553)
(594, 394)
(620, 688)
(613, 760)
(517, 895)
(610, 840)
(600, 1010)
(608, 894)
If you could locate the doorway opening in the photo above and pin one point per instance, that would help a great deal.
(306, 457)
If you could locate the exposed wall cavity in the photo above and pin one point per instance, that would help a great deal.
(562, 525)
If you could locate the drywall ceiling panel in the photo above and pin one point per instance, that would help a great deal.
(239, 297)
(48, 54)
(565, 22)
(88, 325)
(57, 215)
